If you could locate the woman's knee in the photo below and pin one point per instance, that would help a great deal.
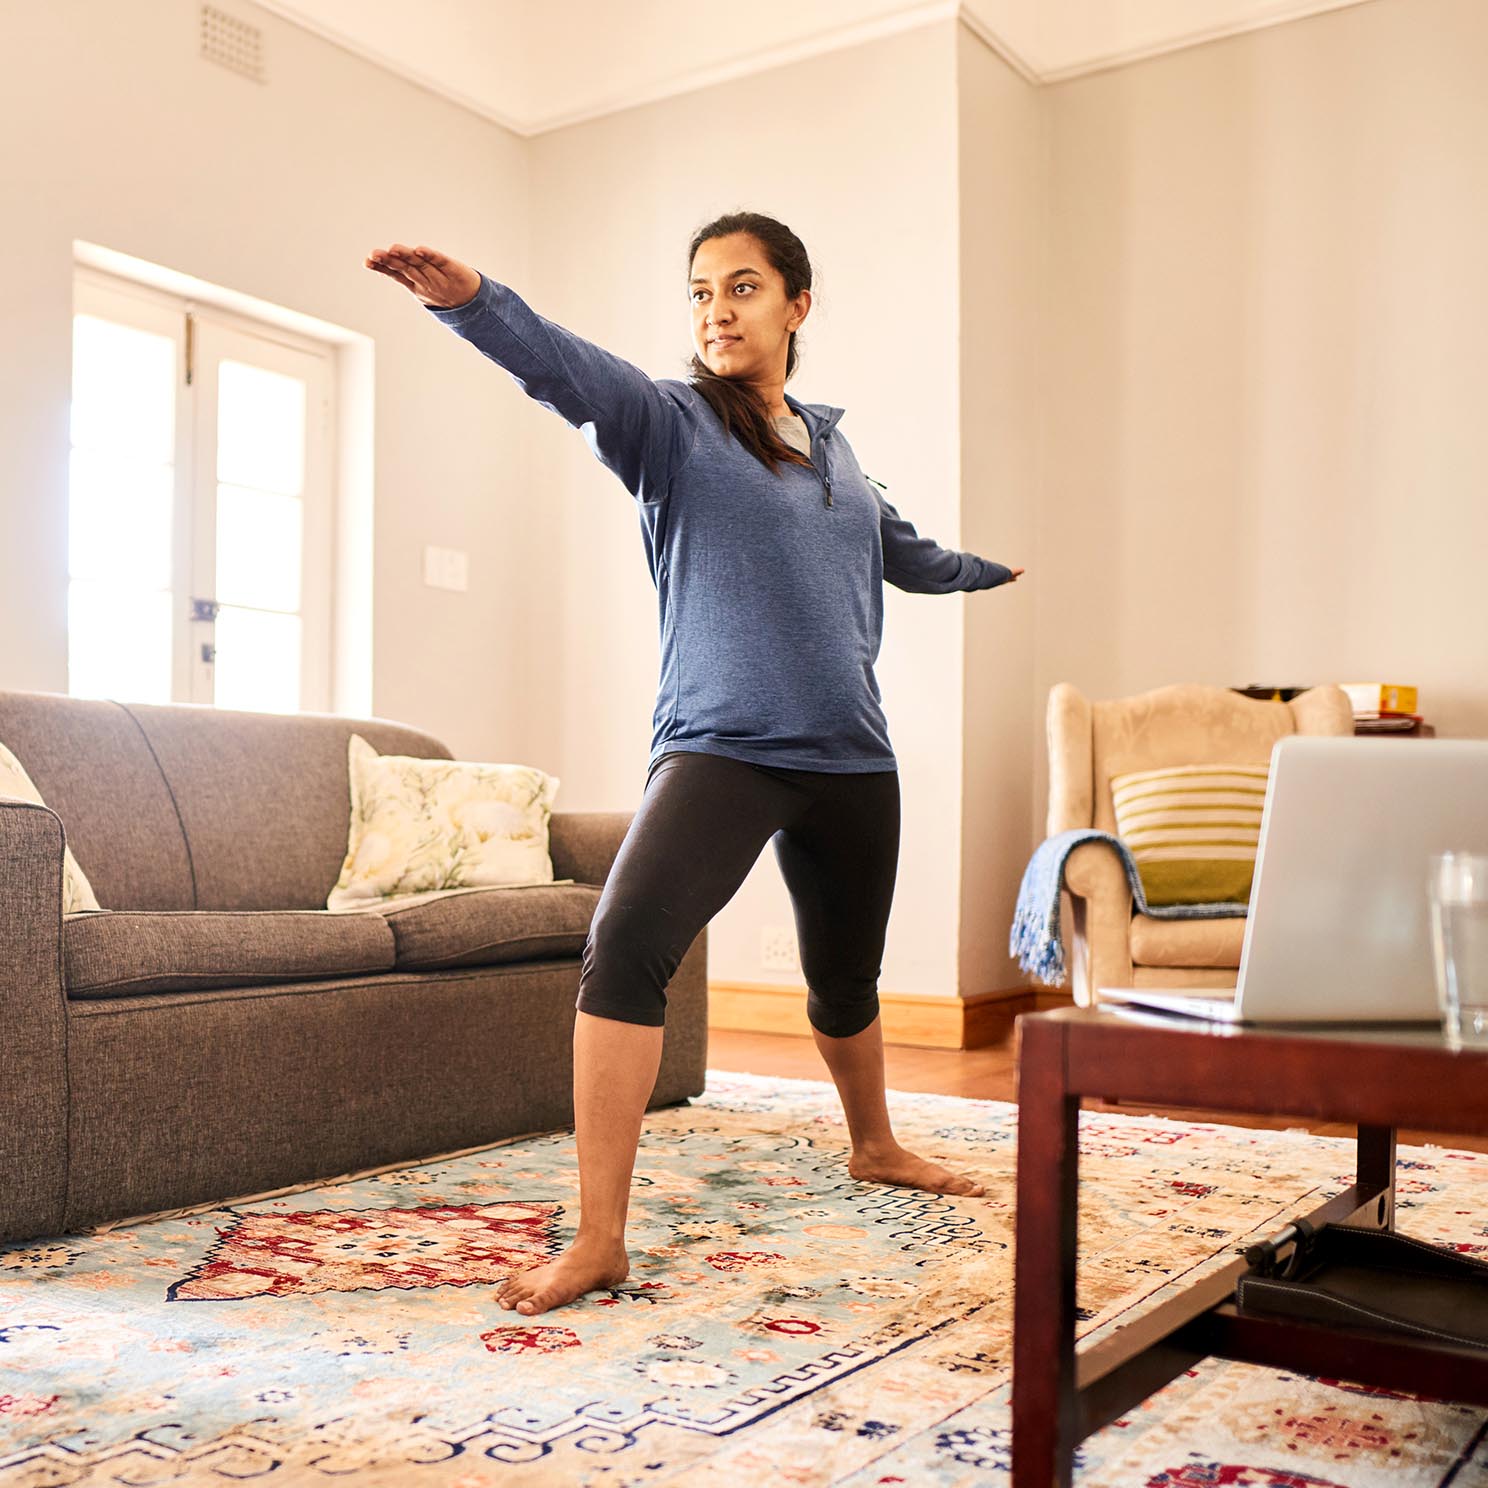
(628, 960)
(841, 1009)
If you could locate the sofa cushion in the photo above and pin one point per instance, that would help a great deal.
(484, 927)
(1183, 978)
(113, 953)
(260, 797)
(96, 770)
(1211, 943)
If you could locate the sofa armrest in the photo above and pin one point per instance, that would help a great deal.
(33, 1023)
(1093, 871)
(583, 844)
(1099, 927)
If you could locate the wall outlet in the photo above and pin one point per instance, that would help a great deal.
(778, 949)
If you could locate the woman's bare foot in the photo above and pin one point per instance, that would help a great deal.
(585, 1266)
(902, 1168)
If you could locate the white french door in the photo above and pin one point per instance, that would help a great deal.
(200, 524)
(261, 541)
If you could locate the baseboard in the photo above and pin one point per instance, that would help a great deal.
(970, 1022)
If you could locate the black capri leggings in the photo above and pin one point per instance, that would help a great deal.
(703, 821)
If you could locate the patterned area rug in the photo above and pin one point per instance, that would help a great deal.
(783, 1324)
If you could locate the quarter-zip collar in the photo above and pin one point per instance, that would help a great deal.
(820, 419)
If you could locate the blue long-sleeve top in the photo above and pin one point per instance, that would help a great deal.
(769, 586)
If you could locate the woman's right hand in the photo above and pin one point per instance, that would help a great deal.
(436, 278)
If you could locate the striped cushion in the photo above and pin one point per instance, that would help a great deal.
(1192, 830)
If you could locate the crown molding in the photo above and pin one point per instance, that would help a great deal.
(689, 81)
(356, 47)
(1274, 15)
(989, 38)
(767, 59)
(910, 18)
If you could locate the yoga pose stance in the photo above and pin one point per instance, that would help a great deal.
(769, 548)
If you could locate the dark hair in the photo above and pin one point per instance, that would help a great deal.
(738, 405)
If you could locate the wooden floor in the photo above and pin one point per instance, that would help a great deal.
(980, 1074)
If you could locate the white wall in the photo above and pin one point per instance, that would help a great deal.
(118, 133)
(856, 152)
(1266, 453)
(1003, 189)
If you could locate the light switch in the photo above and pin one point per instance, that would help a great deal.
(446, 568)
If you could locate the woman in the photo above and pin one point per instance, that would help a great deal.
(769, 548)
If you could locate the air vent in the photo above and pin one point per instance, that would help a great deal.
(232, 43)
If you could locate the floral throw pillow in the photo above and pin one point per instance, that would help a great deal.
(77, 892)
(424, 824)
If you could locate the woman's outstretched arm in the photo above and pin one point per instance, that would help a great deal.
(641, 429)
(921, 566)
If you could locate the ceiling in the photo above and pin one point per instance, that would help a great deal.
(533, 67)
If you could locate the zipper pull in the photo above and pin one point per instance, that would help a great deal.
(827, 482)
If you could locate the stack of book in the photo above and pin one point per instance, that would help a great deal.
(1383, 708)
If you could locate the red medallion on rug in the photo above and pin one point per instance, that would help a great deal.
(325, 1250)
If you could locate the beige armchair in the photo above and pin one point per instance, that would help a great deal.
(1105, 944)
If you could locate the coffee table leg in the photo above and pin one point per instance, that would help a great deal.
(1044, 1264)
(1376, 1169)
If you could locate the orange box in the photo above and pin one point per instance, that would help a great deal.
(1380, 697)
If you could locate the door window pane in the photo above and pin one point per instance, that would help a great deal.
(119, 519)
(118, 642)
(258, 661)
(123, 390)
(259, 541)
(260, 428)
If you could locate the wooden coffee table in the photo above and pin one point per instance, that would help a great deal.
(1378, 1079)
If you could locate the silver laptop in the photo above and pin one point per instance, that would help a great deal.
(1339, 922)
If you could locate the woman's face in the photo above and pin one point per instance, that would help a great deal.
(741, 318)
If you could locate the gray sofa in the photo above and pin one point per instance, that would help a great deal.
(214, 1031)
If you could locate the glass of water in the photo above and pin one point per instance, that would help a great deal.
(1459, 938)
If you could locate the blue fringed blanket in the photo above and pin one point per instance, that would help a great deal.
(1034, 938)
